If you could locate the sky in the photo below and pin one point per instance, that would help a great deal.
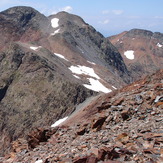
(109, 17)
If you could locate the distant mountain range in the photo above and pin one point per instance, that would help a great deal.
(142, 51)
(50, 65)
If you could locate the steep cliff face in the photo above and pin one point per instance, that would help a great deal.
(49, 65)
(141, 50)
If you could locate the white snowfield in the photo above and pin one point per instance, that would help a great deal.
(129, 54)
(60, 56)
(59, 122)
(159, 45)
(54, 22)
(35, 47)
(84, 70)
(114, 87)
(39, 161)
(76, 76)
(95, 85)
(91, 63)
(55, 32)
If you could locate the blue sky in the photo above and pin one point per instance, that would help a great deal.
(107, 16)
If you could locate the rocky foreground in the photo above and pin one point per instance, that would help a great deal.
(124, 126)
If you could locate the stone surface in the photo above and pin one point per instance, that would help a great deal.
(135, 139)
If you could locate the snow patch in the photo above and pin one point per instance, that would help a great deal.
(39, 161)
(159, 45)
(117, 40)
(60, 56)
(133, 38)
(121, 42)
(95, 85)
(55, 32)
(114, 87)
(91, 63)
(129, 54)
(59, 122)
(54, 22)
(157, 99)
(84, 70)
(35, 47)
(76, 76)
(81, 50)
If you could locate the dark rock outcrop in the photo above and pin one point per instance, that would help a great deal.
(94, 45)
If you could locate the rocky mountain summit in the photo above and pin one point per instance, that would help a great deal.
(142, 51)
(123, 126)
(60, 68)
(49, 65)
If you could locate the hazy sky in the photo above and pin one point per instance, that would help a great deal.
(107, 16)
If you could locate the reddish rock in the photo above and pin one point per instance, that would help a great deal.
(118, 101)
(136, 139)
(36, 136)
(92, 159)
(123, 138)
(98, 122)
(125, 114)
(81, 131)
(80, 160)
(102, 154)
(110, 161)
(103, 107)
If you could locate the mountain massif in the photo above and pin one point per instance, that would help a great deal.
(142, 51)
(48, 65)
(59, 66)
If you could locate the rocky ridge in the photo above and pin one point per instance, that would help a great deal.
(142, 51)
(123, 126)
(47, 67)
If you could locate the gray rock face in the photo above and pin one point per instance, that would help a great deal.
(93, 44)
(24, 18)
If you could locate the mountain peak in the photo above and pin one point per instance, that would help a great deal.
(67, 18)
(20, 21)
(140, 32)
(15, 9)
(23, 17)
(19, 14)
(141, 50)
